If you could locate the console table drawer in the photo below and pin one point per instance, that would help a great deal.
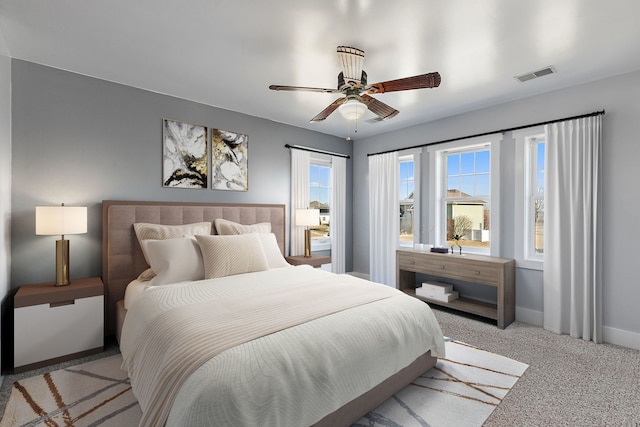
(456, 267)
(414, 262)
(485, 274)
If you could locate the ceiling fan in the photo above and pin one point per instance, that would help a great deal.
(352, 82)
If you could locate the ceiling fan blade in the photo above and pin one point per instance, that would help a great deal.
(303, 88)
(327, 111)
(422, 81)
(379, 108)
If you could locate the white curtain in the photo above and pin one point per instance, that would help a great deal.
(338, 216)
(384, 217)
(300, 164)
(572, 248)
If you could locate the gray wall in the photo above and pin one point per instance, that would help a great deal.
(5, 172)
(81, 140)
(620, 97)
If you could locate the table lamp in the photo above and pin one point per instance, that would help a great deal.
(307, 218)
(54, 220)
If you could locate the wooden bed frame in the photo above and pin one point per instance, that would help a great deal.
(122, 262)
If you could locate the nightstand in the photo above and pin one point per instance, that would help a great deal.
(315, 260)
(53, 324)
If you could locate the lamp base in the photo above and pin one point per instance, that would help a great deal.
(62, 262)
(307, 243)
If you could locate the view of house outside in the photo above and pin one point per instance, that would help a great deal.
(538, 240)
(538, 198)
(406, 200)
(468, 198)
(320, 198)
(322, 230)
(468, 205)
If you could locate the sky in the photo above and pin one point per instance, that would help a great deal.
(320, 184)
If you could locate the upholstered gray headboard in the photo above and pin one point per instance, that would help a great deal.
(122, 259)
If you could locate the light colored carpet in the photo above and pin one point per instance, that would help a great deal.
(462, 389)
(569, 382)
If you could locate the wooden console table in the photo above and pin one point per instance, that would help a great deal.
(485, 270)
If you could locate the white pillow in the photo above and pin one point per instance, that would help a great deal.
(146, 231)
(134, 289)
(225, 227)
(174, 260)
(272, 250)
(230, 255)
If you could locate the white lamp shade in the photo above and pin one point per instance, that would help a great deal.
(53, 220)
(352, 109)
(307, 217)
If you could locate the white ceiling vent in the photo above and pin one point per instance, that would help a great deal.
(535, 74)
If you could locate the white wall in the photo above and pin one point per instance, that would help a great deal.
(5, 172)
(620, 97)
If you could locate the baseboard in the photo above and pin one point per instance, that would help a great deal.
(621, 337)
(531, 317)
(609, 335)
(360, 275)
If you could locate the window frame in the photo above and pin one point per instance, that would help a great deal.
(524, 218)
(438, 187)
(318, 159)
(416, 156)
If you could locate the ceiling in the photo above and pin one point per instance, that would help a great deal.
(227, 53)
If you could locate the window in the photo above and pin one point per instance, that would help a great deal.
(529, 218)
(406, 196)
(463, 211)
(320, 198)
(535, 198)
(409, 196)
(468, 198)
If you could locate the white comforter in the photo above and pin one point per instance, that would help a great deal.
(293, 377)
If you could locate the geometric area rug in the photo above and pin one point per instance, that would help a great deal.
(461, 390)
(96, 393)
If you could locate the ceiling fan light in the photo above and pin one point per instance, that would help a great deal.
(352, 109)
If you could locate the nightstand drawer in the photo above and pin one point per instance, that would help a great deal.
(61, 328)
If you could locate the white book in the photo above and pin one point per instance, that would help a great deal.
(448, 297)
(437, 287)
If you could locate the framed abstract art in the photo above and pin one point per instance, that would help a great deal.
(184, 153)
(229, 160)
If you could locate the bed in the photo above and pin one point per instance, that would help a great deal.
(287, 351)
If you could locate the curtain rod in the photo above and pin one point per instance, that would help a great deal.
(595, 113)
(315, 150)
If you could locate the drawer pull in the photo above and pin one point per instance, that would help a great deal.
(478, 273)
(62, 303)
(442, 267)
